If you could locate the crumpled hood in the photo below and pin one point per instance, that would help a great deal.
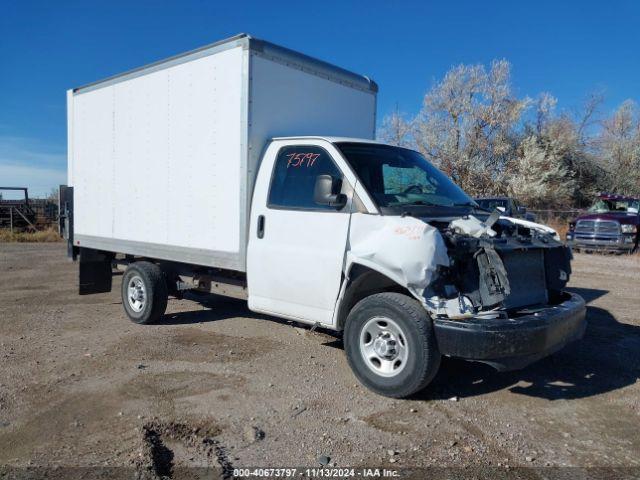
(405, 249)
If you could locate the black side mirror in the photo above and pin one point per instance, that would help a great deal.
(327, 192)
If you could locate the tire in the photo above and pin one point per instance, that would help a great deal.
(144, 292)
(390, 344)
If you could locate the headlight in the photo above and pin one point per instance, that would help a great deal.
(628, 228)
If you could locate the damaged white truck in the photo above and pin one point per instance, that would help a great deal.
(249, 170)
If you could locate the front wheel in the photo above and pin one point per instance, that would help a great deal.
(144, 292)
(390, 344)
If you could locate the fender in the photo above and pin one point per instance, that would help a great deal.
(405, 250)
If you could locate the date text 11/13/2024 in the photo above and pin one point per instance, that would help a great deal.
(315, 473)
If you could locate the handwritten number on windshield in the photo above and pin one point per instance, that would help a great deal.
(298, 160)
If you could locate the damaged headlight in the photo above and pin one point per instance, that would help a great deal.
(628, 228)
(452, 308)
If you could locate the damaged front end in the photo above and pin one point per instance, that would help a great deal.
(494, 289)
(501, 300)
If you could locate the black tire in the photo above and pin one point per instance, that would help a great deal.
(423, 357)
(155, 292)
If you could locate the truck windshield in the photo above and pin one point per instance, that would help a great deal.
(400, 180)
(603, 205)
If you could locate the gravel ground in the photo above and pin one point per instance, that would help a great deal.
(217, 385)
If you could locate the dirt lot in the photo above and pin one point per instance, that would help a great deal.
(216, 385)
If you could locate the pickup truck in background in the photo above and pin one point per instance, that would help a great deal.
(507, 205)
(611, 224)
(248, 170)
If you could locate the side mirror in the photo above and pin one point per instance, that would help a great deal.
(522, 210)
(327, 192)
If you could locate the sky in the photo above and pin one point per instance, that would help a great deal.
(567, 48)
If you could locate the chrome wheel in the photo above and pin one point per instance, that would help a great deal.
(383, 346)
(136, 294)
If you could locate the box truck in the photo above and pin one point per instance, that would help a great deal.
(249, 170)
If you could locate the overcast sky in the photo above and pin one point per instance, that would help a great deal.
(566, 48)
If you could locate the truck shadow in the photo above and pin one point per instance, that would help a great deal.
(605, 359)
(216, 308)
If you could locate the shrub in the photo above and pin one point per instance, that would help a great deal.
(40, 236)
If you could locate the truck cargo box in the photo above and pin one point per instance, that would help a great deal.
(163, 158)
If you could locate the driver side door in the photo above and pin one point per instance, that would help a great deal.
(296, 246)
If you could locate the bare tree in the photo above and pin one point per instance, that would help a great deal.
(619, 147)
(396, 129)
(467, 125)
(545, 106)
(587, 117)
(542, 178)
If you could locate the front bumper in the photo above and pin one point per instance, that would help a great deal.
(618, 243)
(513, 343)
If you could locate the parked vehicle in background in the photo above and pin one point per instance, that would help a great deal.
(508, 205)
(221, 171)
(611, 224)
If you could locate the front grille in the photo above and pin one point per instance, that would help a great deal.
(526, 274)
(598, 227)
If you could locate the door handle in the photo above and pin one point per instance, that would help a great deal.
(260, 226)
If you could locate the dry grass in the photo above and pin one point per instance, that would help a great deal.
(41, 236)
(559, 225)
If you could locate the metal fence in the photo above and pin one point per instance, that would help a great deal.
(555, 216)
(46, 212)
(36, 214)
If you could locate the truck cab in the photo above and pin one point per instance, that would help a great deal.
(611, 224)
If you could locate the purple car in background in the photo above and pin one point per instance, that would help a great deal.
(612, 224)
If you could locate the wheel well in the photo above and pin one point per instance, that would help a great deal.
(362, 282)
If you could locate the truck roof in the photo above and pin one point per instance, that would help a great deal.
(285, 55)
(615, 196)
(330, 139)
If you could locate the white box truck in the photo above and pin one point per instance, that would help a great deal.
(249, 170)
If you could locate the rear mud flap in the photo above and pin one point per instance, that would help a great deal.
(95, 271)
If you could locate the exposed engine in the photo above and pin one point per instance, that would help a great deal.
(498, 266)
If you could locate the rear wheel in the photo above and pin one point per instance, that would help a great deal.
(144, 292)
(390, 344)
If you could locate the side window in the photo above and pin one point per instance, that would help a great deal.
(294, 177)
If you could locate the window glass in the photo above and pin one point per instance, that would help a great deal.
(604, 205)
(295, 174)
(396, 179)
(399, 178)
(492, 203)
